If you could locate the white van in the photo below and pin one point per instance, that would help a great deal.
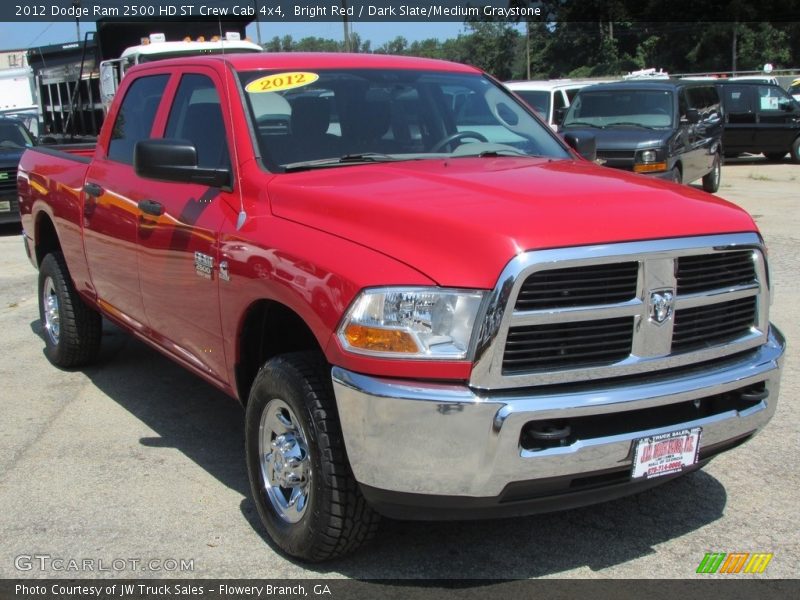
(547, 97)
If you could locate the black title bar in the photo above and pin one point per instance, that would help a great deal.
(403, 10)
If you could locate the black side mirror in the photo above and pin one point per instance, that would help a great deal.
(584, 144)
(692, 115)
(176, 160)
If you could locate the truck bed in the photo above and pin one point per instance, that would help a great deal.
(50, 186)
(83, 151)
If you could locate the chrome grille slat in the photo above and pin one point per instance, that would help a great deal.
(719, 307)
(584, 313)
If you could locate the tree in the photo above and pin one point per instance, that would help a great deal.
(492, 46)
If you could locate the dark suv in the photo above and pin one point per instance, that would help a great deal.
(667, 128)
(14, 138)
(760, 118)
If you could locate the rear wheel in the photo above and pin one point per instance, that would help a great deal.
(796, 151)
(72, 330)
(300, 478)
(711, 179)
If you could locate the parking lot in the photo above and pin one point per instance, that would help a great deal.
(136, 462)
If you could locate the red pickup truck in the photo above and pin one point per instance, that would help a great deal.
(431, 306)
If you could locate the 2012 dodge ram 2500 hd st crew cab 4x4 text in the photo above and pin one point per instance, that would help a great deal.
(431, 307)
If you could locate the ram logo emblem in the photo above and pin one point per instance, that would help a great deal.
(662, 304)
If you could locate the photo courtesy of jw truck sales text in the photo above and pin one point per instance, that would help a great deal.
(345, 336)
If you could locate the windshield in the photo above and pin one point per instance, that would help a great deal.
(13, 135)
(537, 100)
(337, 117)
(621, 108)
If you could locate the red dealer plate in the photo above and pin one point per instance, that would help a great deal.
(665, 454)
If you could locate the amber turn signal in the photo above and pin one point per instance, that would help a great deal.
(650, 167)
(380, 340)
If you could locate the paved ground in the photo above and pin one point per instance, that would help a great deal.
(136, 459)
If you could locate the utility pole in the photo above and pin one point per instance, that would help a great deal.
(346, 24)
(528, 47)
(258, 23)
(733, 49)
(77, 5)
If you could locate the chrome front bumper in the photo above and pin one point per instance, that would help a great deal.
(432, 439)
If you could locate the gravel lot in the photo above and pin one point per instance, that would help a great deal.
(137, 459)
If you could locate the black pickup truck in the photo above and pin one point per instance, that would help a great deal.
(14, 138)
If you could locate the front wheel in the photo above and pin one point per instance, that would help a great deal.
(712, 178)
(675, 175)
(300, 478)
(72, 330)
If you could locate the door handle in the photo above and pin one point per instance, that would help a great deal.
(151, 207)
(92, 189)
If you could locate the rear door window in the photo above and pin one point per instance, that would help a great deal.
(737, 100)
(135, 118)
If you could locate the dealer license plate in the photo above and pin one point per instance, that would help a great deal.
(664, 454)
(5, 206)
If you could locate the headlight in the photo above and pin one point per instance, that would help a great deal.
(649, 161)
(647, 156)
(412, 322)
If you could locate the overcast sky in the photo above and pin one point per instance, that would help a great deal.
(25, 35)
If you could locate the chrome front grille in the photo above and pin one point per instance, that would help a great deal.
(578, 314)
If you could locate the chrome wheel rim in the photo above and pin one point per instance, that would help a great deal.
(284, 460)
(52, 321)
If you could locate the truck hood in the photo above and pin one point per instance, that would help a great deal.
(9, 157)
(460, 221)
(624, 138)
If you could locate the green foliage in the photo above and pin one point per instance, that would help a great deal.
(624, 36)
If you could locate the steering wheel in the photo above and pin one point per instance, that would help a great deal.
(457, 137)
(660, 111)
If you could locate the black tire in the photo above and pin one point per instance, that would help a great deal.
(72, 330)
(775, 156)
(796, 151)
(675, 175)
(335, 519)
(711, 179)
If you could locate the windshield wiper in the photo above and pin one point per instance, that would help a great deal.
(629, 124)
(365, 157)
(495, 153)
(586, 123)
